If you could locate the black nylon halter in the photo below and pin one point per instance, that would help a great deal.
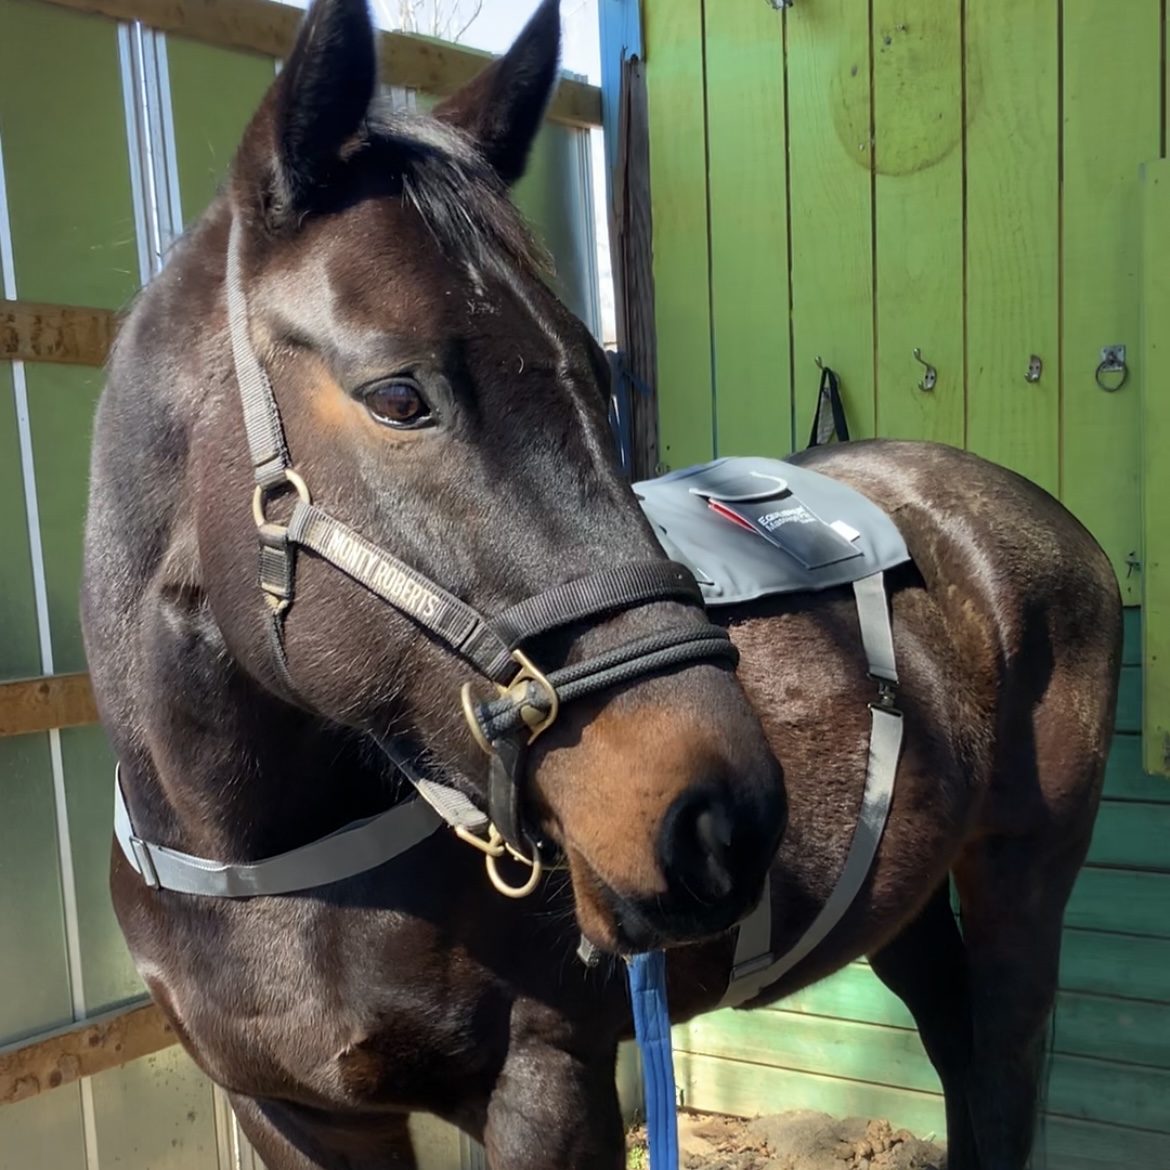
(528, 700)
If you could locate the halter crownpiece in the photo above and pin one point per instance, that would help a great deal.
(528, 700)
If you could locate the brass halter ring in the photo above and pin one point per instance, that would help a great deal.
(493, 849)
(537, 723)
(261, 494)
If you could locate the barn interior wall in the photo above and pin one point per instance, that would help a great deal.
(855, 180)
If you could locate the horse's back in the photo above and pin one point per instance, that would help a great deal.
(989, 540)
(1032, 613)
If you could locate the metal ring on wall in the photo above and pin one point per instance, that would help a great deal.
(1112, 369)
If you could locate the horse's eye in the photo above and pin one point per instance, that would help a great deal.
(398, 404)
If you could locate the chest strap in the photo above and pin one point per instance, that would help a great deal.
(353, 849)
(756, 966)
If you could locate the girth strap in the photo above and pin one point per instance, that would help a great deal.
(755, 966)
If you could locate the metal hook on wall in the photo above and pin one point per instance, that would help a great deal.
(931, 375)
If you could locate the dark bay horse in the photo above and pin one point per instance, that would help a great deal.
(272, 603)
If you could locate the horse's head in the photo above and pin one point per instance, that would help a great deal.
(439, 402)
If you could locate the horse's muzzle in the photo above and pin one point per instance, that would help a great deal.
(714, 849)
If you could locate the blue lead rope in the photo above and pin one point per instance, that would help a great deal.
(652, 1029)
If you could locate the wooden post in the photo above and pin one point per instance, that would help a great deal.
(625, 118)
(633, 274)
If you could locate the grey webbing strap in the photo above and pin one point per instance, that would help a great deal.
(354, 849)
(754, 937)
(877, 635)
(261, 419)
(754, 966)
(451, 804)
(455, 622)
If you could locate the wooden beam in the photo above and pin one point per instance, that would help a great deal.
(81, 1050)
(263, 26)
(42, 704)
(31, 332)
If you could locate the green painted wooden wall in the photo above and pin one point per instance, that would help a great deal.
(854, 179)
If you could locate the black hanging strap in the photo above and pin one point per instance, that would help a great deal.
(829, 400)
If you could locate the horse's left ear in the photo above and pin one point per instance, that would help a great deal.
(502, 109)
(313, 109)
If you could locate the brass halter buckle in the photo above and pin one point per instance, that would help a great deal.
(537, 722)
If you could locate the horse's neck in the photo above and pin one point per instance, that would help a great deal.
(229, 771)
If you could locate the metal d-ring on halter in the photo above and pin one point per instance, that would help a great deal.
(528, 700)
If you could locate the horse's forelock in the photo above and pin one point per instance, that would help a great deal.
(446, 179)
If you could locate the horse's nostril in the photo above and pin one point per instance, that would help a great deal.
(713, 828)
(696, 847)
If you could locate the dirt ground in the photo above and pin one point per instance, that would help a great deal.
(792, 1141)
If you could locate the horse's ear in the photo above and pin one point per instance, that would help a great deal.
(315, 106)
(503, 107)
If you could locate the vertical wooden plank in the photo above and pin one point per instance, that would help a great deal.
(747, 151)
(1112, 124)
(829, 161)
(918, 191)
(209, 118)
(620, 24)
(1155, 427)
(1013, 193)
(673, 32)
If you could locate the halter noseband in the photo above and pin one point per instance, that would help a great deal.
(528, 700)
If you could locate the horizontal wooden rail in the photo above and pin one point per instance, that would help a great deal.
(82, 1050)
(43, 704)
(264, 26)
(75, 336)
